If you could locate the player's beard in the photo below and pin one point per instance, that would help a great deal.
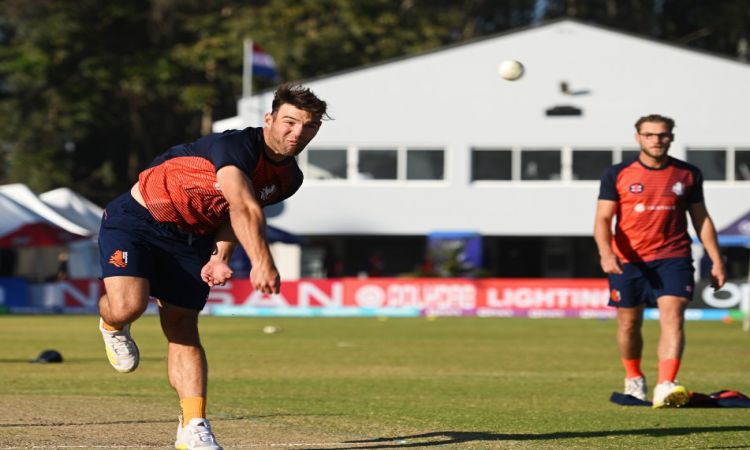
(659, 155)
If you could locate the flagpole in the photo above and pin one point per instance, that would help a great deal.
(247, 68)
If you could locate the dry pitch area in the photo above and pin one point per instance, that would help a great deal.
(71, 422)
(58, 421)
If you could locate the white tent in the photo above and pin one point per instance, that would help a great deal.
(22, 195)
(47, 235)
(24, 226)
(83, 255)
(75, 207)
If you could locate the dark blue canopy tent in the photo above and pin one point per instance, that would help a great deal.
(240, 263)
(737, 234)
(274, 234)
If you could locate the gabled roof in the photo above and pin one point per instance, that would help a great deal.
(510, 32)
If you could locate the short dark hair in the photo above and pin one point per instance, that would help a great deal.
(300, 97)
(669, 122)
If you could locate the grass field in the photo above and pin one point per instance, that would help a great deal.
(467, 383)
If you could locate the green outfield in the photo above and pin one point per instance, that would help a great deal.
(468, 383)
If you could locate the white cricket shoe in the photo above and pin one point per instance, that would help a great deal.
(121, 349)
(670, 395)
(196, 434)
(636, 386)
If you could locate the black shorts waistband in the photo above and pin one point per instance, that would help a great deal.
(131, 207)
(130, 204)
(134, 209)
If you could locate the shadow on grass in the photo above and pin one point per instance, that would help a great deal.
(438, 438)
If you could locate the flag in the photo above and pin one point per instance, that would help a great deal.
(263, 64)
(256, 63)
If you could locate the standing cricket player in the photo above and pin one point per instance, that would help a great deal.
(648, 258)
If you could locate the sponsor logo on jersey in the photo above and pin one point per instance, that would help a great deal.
(615, 295)
(640, 207)
(636, 188)
(266, 192)
(119, 259)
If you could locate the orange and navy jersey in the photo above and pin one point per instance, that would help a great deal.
(180, 185)
(652, 207)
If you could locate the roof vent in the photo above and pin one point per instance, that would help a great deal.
(564, 110)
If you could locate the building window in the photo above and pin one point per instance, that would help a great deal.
(629, 155)
(742, 164)
(425, 164)
(378, 164)
(590, 164)
(491, 165)
(712, 162)
(326, 164)
(540, 164)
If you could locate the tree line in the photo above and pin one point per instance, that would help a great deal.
(91, 91)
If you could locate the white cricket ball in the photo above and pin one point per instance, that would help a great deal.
(510, 69)
(270, 329)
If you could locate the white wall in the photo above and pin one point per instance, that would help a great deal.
(454, 99)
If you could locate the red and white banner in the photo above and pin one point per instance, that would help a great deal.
(399, 297)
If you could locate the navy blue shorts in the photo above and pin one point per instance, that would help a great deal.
(645, 282)
(133, 243)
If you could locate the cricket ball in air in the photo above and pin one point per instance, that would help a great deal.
(510, 69)
(270, 329)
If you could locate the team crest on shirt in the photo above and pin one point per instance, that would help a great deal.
(615, 295)
(267, 191)
(119, 259)
(678, 188)
(636, 188)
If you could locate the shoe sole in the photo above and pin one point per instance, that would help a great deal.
(675, 399)
(180, 446)
(185, 447)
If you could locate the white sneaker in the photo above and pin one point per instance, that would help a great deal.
(121, 349)
(636, 386)
(196, 434)
(670, 395)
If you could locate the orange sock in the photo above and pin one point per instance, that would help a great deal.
(632, 367)
(668, 369)
(109, 327)
(193, 407)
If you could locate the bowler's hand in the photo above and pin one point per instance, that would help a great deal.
(265, 279)
(718, 276)
(611, 264)
(216, 273)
